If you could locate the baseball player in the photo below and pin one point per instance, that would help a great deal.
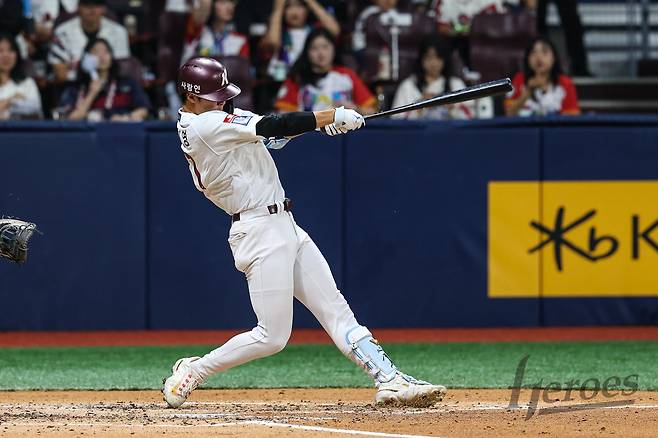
(226, 149)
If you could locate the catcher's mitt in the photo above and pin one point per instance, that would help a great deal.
(14, 234)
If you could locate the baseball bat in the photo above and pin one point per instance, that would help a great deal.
(474, 92)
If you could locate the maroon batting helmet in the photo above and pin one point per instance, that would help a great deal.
(206, 78)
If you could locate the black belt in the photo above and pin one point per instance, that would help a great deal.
(273, 209)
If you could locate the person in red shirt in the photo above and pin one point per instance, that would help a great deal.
(541, 88)
(315, 83)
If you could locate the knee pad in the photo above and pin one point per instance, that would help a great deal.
(370, 355)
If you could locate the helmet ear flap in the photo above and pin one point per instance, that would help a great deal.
(228, 106)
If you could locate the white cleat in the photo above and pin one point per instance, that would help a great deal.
(181, 383)
(405, 390)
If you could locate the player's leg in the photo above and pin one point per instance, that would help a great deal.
(266, 254)
(316, 289)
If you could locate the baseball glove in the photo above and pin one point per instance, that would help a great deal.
(14, 234)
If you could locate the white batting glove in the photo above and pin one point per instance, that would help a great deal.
(344, 120)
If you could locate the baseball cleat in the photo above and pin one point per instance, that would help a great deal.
(181, 383)
(405, 390)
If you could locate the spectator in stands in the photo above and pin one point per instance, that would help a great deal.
(100, 93)
(287, 32)
(315, 83)
(199, 14)
(359, 36)
(541, 88)
(45, 12)
(454, 20)
(71, 37)
(218, 37)
(19, 95)
(573, 31)
(433, 76)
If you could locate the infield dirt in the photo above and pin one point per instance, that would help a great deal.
(318, 413)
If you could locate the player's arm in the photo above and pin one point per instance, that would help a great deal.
(334, 121)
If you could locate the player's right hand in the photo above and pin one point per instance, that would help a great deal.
(347, 119)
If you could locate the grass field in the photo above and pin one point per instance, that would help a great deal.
(456, 365)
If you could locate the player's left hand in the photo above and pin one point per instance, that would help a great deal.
(344, 120)
(348, 119)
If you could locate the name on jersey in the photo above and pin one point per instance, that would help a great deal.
(240, 120)
(184, 138)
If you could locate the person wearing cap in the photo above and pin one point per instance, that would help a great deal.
(71, 37)
(226, 149)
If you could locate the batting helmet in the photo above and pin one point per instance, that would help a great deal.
(206, 78)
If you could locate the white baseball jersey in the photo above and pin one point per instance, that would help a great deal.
(232, 167)
(228, 160)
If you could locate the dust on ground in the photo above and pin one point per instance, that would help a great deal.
(319, 413)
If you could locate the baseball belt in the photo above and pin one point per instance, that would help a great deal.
(272, 209)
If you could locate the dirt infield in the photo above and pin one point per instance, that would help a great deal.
(318, 413)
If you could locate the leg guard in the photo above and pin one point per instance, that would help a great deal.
(369, 355)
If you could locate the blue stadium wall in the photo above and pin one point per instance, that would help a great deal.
(400, 211)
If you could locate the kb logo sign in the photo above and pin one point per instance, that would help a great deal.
(569, 239)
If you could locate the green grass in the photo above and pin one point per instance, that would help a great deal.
(457, 365)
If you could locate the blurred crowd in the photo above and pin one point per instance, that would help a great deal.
(117, 59)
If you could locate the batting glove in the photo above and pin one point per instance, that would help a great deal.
(344, 120)
(276, 143)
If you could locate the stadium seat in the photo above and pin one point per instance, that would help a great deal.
(131, 67)
(378, 40)
(170, 44)
(498, 42)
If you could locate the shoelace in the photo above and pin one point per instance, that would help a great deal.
(188, 385)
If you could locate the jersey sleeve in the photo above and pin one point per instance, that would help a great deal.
(287, 98)
(361, 95)
(58, 53)
(570, 101)
(518, 82)
(463, 110)
(244, 49)
(30, 103)
(444, 13)
(223, 132)
(406, 93)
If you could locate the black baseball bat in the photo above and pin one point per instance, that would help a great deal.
(474, 92)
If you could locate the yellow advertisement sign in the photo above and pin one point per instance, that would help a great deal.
(572, 239)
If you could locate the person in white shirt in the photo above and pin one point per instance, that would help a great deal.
(71, 37)
(433, 76)
(229, 163)
(19, 95)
